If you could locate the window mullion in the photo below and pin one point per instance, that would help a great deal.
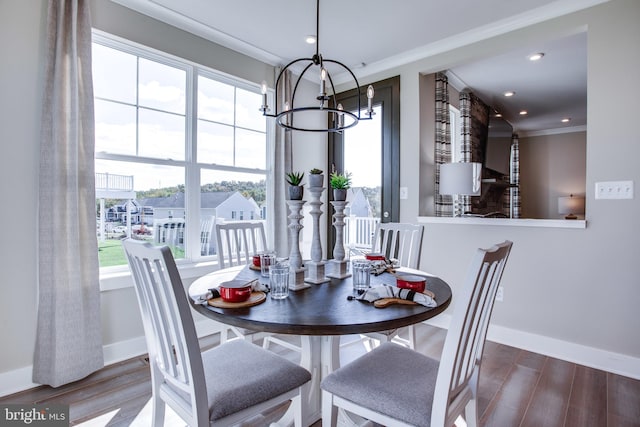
(192, 174)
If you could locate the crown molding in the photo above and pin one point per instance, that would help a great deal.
(178, 20)
(557, 131)
(497, 28)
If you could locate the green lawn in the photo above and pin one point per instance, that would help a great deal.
(110, 253)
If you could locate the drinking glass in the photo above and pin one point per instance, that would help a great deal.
(361, 275)
(279, 281)
(267, 259)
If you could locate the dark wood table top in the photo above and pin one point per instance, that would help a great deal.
(322, 309)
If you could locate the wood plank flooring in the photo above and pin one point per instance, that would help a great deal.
(517, 388)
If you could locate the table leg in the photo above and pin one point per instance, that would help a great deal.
(320, 356)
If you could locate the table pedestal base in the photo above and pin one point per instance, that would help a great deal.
(339, 269)
(296, 280)
(315, 272)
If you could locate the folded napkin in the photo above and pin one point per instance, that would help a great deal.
(384, 291)
(215, 293)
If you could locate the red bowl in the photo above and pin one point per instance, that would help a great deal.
(235, 291)
(375, 257)
(413, 282)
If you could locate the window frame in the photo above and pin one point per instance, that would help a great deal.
(193, 264)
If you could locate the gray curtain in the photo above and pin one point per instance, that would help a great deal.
(474, 115)
(69, 337)
(281, 165)
(515, 201)
(442, 154)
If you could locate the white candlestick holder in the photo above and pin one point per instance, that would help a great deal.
(316, 267)
(296, 278)
(339, 263)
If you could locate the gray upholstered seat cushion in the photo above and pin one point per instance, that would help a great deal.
(390, 379)
(240, 375)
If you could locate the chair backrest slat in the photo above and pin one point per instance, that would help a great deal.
(462, 352)
(239, 241)
(400, 241)
(172, 343)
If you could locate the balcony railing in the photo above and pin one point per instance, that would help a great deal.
(110, 182)
(359, 231)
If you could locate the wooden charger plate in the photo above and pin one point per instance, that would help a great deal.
(255, 299)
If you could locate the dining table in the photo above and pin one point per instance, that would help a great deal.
(319, 314)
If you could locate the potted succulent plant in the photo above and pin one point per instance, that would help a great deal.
(295, 185)
(340, 184)
(316, 178)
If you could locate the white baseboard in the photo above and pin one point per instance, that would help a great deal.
(18, 380)
(616, 363)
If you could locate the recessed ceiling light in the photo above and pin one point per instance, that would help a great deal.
(311, 39)
(523, 113)
(566, 120)
(498, 115)
(536, 56)
(509, 93)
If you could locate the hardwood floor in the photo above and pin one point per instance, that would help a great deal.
(517, 388)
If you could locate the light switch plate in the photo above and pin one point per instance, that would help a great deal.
(614, 190)
(404, 193)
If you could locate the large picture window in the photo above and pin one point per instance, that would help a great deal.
(178, 147)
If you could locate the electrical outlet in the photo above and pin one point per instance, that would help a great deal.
(500, 293)
(614, 190)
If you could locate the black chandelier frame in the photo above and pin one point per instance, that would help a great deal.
(285, 116)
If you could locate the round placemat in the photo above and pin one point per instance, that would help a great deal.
(255, 299)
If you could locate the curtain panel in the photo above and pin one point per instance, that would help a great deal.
(474, 115)
(69, 336)
(282, 163)
(442, 154)
(515, 201)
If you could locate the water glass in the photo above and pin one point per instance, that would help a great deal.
(267, 259)
(279, 281)
(361, 275)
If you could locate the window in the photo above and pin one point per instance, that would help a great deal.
(178, 146)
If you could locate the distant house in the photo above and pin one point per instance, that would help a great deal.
(358, 204)
(140, 213)
(229, 206)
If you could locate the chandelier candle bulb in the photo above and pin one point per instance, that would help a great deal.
(263, 90)
(323, 84)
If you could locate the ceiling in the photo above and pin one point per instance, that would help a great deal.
(362, 35)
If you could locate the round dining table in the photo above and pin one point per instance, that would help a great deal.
(319, 314)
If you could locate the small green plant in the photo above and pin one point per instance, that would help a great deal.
(295, 178)
(315, 171)
(340, 181)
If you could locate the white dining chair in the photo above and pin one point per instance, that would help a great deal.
(396, 386)
(218, 387)
(237, 242)
(402, 242)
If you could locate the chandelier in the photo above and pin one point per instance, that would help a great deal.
(337, 119)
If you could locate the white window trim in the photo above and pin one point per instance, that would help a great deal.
(194, 265)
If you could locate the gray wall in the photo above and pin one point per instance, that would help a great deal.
(22, 26)
(576, 286)
(551, 166)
